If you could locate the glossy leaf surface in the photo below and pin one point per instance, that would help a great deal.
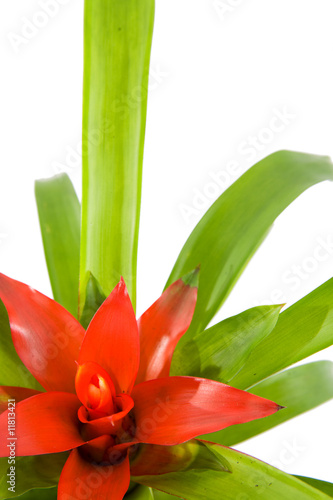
(117, 44)
(59, 216)
(221, 351)
(250, 478)
(232, 229)
(40, 471)
(303, 329)
(299, 389)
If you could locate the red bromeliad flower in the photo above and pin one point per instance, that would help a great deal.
(109, 398)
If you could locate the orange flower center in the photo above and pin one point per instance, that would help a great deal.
(106, 418)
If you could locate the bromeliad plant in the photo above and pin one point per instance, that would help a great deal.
(108, 407)
(108, 394)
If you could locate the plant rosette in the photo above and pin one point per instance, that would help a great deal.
(103, 400)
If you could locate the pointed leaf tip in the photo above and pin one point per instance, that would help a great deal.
(253, 202)
(94, 299)
(207, 459)
(192, 279)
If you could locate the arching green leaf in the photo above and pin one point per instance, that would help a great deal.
(230, 232)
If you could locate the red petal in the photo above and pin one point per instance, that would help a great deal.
(16, 394)
(46, 423)
(161, 327)
(173, 410)
(112, 339)
(46, 336)
(81, 479)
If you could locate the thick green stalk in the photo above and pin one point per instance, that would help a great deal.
(117, 44)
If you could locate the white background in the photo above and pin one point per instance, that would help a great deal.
(217, 78)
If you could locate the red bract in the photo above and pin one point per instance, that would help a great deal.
(102, 401)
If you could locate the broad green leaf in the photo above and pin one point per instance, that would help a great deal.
(59, 216)
(299, 389)
(303, 329)
(42, 471)
(230, 232)
(117, 43)
(249, 479)
(221, 351)
(13, 372)
(320, 485)
(140, 493)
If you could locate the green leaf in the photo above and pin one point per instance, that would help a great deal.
(42, 471)
(319, 485)
(41, 494)
(193, 454)
(299, 389)
(117, 47)
(221, 351)
(13, 371)
(303, 329)
(232, 229)
(160, 495)
(94, 299)
(204, 458)
(59, 216)
(140, 493)
(249, 479)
